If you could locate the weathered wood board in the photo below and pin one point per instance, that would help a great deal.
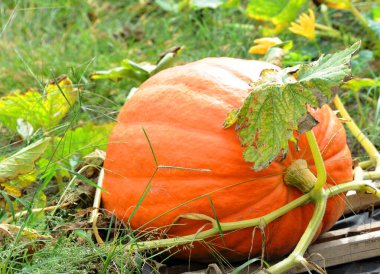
(345, 245)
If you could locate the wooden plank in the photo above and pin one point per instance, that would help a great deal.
(349, 231)
(345, 249)
(360, 202)
(335, 248)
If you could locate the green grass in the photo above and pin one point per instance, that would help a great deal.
(41, 39)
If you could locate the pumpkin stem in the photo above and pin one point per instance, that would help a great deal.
(300, 176)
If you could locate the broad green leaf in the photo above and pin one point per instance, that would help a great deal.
(40, 111)
(327, 71)
(22, 162)
(279, 12)
(278, 103)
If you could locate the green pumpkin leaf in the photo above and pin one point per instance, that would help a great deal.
(278, 104)
(22, 162)
(278, 12)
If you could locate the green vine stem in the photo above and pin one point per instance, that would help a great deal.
(360, 186)
(318, 160)
(224, 227)
(362, 139)
(319, 197)
(296, 257)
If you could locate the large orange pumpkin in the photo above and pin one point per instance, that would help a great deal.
(182, 110)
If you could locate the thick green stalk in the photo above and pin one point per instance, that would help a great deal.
(295, 258)
(319, 164)
(358, 134)
(360, 186)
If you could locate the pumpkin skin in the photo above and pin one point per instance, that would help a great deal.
(182, 110)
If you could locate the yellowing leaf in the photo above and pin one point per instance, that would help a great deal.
(22, 162)
(15, 186)
(305, 26)
(278, 12)
(60, 97)
(7, 230)
(30, 238)
(39, 111)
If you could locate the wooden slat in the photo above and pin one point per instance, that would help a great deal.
(360, 202)
(345, 245)
(349, 231)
